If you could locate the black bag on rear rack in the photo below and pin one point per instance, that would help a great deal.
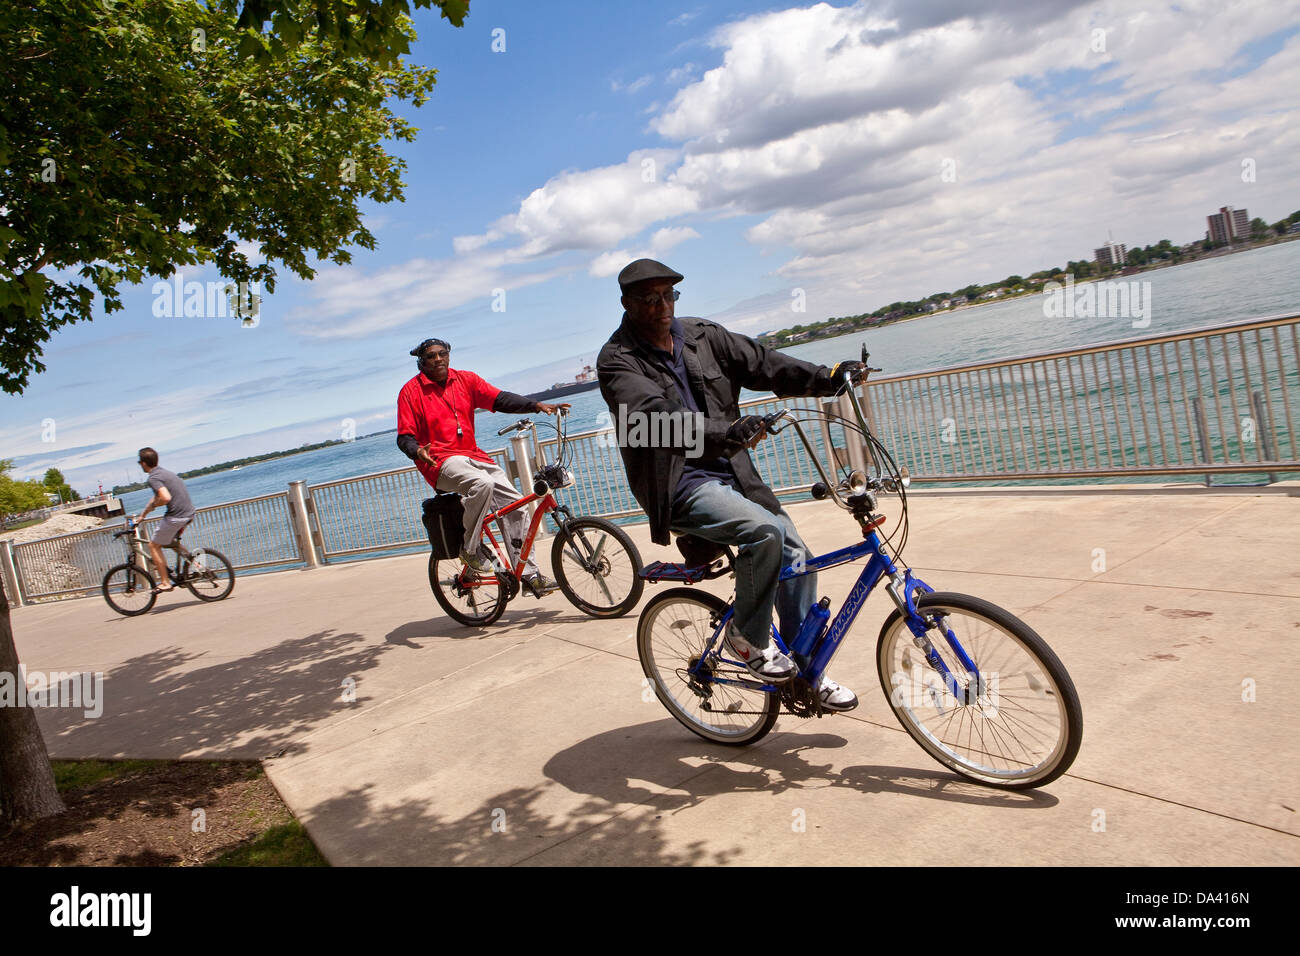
(444, 520)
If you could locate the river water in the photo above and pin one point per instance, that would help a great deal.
(1208, 292)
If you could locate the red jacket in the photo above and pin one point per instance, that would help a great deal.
(432, 413)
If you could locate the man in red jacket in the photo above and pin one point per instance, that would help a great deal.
(435, 429)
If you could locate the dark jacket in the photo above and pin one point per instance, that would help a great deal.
(719, 363)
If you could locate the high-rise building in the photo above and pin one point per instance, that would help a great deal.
(1228, 224)
(1111, 255)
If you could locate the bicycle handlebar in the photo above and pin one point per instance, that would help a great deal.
(886, 483)
(517, 426)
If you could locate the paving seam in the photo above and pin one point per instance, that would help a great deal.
(602, 650)
(1185, 806)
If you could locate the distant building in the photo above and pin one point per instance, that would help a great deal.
(1111, 255)
(1228, 224)
(1293, 228)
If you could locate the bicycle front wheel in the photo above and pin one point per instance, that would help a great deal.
(597, 567)
(128, 590)
(674, 629)
(1020, 728)
(468, 596)
(208, 574)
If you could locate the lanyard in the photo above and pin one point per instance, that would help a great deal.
(455, 417)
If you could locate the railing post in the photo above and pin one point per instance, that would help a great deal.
(1202, 435)
(1264, 429)
(522, 455)
(299, 517)
(9, 566)
(857, 458)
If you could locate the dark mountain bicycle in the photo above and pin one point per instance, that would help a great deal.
(129, 588)
(973, 684)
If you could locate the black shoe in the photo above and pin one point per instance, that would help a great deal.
(539, 586)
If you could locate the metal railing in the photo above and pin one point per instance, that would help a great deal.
(1222, 400)
(377, 512)
(65, 564)
(251, 532)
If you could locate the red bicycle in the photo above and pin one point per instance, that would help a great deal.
(596, 565)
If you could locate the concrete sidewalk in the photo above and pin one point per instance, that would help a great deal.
(531, 741)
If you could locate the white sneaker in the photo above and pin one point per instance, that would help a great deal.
(765, 662)
(835, 697)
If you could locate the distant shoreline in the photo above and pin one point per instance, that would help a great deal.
(225, 466)
(1113, 276)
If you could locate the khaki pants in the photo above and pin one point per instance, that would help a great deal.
(483, 488)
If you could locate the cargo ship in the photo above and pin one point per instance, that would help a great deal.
(584, 381)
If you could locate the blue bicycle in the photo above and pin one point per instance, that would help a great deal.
(974, 685)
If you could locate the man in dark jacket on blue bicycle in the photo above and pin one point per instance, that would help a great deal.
(698, 478)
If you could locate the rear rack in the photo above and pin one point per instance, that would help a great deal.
(676, 571)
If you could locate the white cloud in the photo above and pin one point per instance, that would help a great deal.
(889, 149)
(348, 302)
(681, 74)
(611, 263)
(591, 209)
(640, 83)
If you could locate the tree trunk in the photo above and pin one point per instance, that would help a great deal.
(27, 789)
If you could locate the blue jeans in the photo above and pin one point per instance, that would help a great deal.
(764, 543)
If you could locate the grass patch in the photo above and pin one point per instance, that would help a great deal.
(76, 774)
(284, 845)
(19, 525)
(161, 813)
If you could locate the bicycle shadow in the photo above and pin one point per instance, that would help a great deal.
(506, 626)
(671, 772)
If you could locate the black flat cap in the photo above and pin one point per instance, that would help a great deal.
(644, 269)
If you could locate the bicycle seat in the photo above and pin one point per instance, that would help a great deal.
(698, 552)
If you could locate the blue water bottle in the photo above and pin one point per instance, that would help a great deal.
(810, 632)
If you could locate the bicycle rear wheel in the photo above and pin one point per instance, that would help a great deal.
(208, 574)
(597, 567)
(672, 633)
(128, 589)
(468, 596)
(1021, 729)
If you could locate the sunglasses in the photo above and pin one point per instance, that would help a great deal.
(652, 299)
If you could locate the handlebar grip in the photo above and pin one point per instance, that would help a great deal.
(508, 428)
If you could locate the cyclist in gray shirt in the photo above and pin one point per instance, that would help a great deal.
(169, 490)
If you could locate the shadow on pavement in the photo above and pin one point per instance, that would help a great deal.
(668, 771)
(509, 828)
(247, 707)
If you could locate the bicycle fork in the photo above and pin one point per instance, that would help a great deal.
(902, 588)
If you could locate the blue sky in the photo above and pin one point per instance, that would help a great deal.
(759, 149)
